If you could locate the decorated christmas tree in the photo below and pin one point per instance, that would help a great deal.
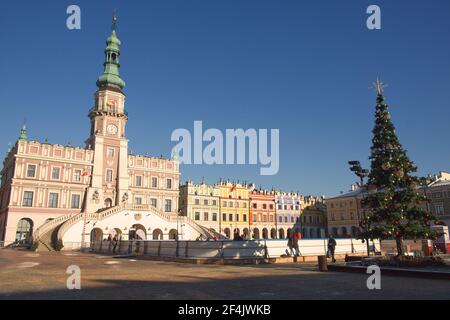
(394, 203)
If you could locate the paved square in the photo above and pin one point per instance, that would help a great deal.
(28, 275)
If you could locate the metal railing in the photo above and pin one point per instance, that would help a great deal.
(109, 110)
(227, 249)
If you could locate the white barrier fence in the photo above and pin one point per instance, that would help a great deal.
(228, 249)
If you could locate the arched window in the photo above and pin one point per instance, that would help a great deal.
(24, 230)
(108, 203)
(256, 233)
(173, 234)
(96, 235)
(334, 232)
(265, 233)
(273, 233)
(137, 232)
(157, 234)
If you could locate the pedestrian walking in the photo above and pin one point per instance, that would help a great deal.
(331, 248)
(295, 238)
(290, 246)
(115, 240)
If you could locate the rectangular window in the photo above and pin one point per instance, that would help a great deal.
(244, 205)
(31, 171)
(137, 200)
(53, 200)
(237, 217)
(264, 206)
(197, 216)
(205, 202)
(109, 175)
(244, 217)
(77, 175)
(271, 207)
(255, 206)
(205, 216)
(168, 205)
(169, 184)
(230, 204)
(197, 201)
(214, 216)
(55, 173)
(271, 218)
(279, 207)
(285, 207)
(255, 218)
(285, 219)
(230, 217)
(214, 203)
(138, 180)
(154, 182)
(280, 219)
(224, 203)
(153, 202)
(75, 203)
(436, 195)
(224, 217)
(28, 199)
(110, 152)
(264, 218)
(439, 209)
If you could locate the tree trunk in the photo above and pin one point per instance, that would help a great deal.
(399, 242)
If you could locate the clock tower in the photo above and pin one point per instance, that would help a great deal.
(109, 183)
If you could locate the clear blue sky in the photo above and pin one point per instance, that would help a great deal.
(301, 66)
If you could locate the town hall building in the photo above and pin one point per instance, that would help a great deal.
(54, 194)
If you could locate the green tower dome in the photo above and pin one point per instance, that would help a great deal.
(111, 74)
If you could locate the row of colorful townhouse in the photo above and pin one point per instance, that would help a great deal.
(233, 209)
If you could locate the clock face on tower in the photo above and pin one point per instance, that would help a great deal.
(111, 129)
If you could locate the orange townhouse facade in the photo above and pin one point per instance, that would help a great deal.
(263, 218)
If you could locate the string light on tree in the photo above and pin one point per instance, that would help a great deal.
(394, 201)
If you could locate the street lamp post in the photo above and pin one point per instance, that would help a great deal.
(355, 167)
(177, 235)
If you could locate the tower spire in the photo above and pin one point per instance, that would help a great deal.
(114, 21)
(23, 132)
(111, 75)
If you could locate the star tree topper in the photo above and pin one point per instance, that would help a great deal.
(379, 86)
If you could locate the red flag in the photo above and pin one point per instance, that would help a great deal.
(84, 174)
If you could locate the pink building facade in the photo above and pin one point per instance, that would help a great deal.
(60, 192)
